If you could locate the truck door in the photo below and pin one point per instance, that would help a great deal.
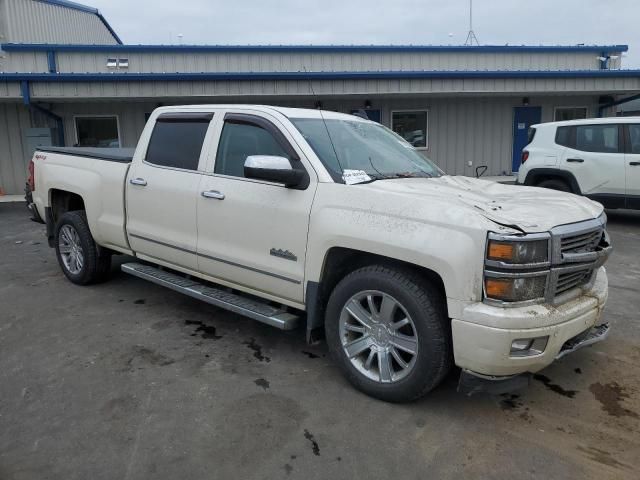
(632, 165)
(596, 159)
(162, 189)
(253, 233)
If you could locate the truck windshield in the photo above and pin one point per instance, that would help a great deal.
(374, 151)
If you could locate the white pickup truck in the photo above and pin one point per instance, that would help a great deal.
(288, 215)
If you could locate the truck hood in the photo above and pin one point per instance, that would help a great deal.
(528, 209)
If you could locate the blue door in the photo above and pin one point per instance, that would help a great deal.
(523, 118)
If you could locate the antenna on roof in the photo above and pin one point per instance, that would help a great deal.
(471, 36)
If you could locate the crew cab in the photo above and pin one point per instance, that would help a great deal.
(292, 216)
(595, 157)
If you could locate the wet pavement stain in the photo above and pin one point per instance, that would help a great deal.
(578, 371)
(553, 387)
(314, 445)
(257, 350)
(140, 301)
(610, 396)
(261, 382)
(205, 331)
(510, 401)
(288, 469)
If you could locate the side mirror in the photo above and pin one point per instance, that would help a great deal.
(275, 169)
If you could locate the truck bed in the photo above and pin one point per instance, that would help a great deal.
(122, 155)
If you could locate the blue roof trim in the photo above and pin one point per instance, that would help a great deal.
(86, 9)
(240, 76)
(318, 48)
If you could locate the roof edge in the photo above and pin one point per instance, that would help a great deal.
(86, 9)
(310, 48)
(345, 75)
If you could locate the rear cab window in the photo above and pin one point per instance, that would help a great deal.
(177, 140)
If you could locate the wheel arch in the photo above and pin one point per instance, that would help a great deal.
(537, 175)
(60, 202)
(339, 262)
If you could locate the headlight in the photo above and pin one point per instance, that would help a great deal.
(518, 251)
(515, 289)
(516, 267)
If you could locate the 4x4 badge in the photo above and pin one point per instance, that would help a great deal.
(286, 254)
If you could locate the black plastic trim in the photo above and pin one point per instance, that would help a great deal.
(612, 200)
(185, 117)
(315, 310)
(247, 119)
(535, 173)
(48, 215)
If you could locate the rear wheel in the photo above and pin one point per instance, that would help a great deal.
(555, 184)
(388, 331)
(81, 259)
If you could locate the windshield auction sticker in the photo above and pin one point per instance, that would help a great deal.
(352, 177)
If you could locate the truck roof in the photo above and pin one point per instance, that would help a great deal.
(286, 111)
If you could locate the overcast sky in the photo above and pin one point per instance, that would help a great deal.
(498, 22)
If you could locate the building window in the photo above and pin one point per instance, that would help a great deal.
(100, 131)
(112, 62)
(570, 113)
(412, 126)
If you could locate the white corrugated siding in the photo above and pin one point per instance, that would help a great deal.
(14, 158)
(30, 21)
(9, 90)
(326, 62)
(149, 90)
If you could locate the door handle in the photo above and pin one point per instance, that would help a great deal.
(138, 181)
(576, 160)
(634, 163)
(213, 194)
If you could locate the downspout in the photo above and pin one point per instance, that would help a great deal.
(25, 90)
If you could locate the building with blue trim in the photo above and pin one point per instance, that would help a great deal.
(66, 79)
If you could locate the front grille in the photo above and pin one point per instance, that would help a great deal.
(581, 243)
(569, 280)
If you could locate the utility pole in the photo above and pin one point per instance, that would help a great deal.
(471, 36)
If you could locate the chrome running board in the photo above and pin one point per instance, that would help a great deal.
(237, 303)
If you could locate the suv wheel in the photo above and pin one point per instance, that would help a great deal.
(81, 260)
(555, 184)
(388, 331)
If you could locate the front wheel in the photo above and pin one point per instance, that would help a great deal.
(81, 260)
(388, 331)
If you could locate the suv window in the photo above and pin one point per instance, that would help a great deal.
(563, 136)
(597, 138)
(634, 138)
(241, 139)
(177, 140)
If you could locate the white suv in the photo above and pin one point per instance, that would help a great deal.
(595, 157)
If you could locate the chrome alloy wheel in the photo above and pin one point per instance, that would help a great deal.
(70, 249)
(378, 336)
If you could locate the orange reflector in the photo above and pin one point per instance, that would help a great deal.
(500, 251)
(498, 287)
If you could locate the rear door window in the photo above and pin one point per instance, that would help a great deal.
(634, 138)
(177, 140)
(597, 138)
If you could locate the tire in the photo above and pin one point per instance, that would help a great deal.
(555, 184)
(416, 299)
(73, 240)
